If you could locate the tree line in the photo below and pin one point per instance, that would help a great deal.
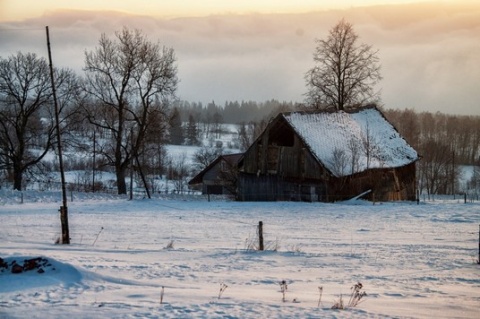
(190, 118)
(444, 142)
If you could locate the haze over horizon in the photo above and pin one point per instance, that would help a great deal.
(430, 52)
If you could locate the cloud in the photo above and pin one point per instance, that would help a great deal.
(430, 53)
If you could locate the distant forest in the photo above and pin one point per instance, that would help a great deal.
(233, 112)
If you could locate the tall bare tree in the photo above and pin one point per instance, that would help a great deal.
(345, 72)
(435, 166)
(128, 79)
(26, 114)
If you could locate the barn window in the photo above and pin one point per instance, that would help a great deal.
(281, 135)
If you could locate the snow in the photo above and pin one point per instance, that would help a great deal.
(414, 261)
(182, 152)
(326, 132)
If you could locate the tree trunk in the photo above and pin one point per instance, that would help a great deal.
(17, 177)
(121, 185)
(145, 184)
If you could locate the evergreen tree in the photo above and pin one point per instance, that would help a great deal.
(192, 131)
(176, 130)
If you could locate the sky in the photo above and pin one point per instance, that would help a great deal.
(261, 50)
(19, 9)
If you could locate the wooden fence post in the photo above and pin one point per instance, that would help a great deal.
(260, 236)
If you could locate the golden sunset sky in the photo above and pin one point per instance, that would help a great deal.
(21, 9)
(254, 50)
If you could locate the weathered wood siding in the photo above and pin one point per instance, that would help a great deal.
(213, 173)
(385, 184)
(270, 157)
(212, 183)
(274, 188)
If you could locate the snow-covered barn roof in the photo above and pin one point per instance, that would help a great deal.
(363, 139)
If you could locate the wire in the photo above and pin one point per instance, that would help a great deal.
(212, 216)
(20, 29)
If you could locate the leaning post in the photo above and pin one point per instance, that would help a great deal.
(65, 238)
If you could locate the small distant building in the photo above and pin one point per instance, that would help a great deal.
(219, 177)
(328, 156)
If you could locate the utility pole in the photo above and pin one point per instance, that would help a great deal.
(131, 166)
(63, 209)
(93, 165)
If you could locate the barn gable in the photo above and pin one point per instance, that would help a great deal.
(328, 156)
(219, 176)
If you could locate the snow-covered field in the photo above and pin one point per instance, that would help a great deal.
(414, 261)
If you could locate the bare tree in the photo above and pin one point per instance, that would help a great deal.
(178, 173)
(128, 79)
(345, 71)
(26, 115)
(434, 166)
(339, 162)
(205, 155)
(229, 176)
(217, 124)
(247, 133)
(369, 145)
(474, 183)
(245, 136)
(354, 148)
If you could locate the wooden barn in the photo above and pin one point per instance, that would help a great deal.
(328, 156)
(219, 177)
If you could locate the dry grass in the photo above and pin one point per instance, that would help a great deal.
(356, 297)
